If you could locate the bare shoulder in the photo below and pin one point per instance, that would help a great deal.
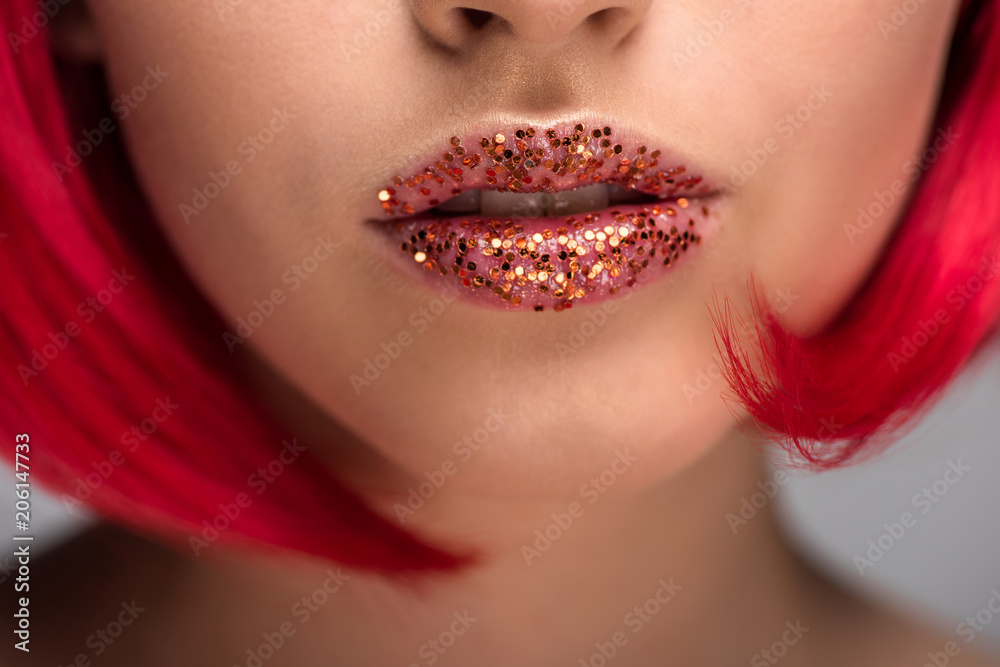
(93, 598)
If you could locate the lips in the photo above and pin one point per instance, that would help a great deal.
(537, 218)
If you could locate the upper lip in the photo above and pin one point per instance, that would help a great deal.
(432, 178)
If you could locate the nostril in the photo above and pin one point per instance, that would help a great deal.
(606, 17)
(477, 18)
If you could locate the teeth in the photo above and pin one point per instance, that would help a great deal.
(497, 203)
(467, 202)
(587, 198)
(515, 204)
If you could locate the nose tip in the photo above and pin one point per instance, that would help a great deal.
(538, 23)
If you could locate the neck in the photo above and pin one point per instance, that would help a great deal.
(667, 571)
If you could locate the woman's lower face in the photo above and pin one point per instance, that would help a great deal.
(340, 179)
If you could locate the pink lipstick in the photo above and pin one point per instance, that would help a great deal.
(539, 218)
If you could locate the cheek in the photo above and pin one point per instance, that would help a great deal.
(823, 159)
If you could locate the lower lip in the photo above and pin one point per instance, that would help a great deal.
(555, 264)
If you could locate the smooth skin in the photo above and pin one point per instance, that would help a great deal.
(846, 104)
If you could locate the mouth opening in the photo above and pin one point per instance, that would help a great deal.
(500, 203)
(546, 217)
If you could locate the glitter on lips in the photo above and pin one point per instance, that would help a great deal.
(580, 253)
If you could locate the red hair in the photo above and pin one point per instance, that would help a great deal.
(930, 305)
(81, 375)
